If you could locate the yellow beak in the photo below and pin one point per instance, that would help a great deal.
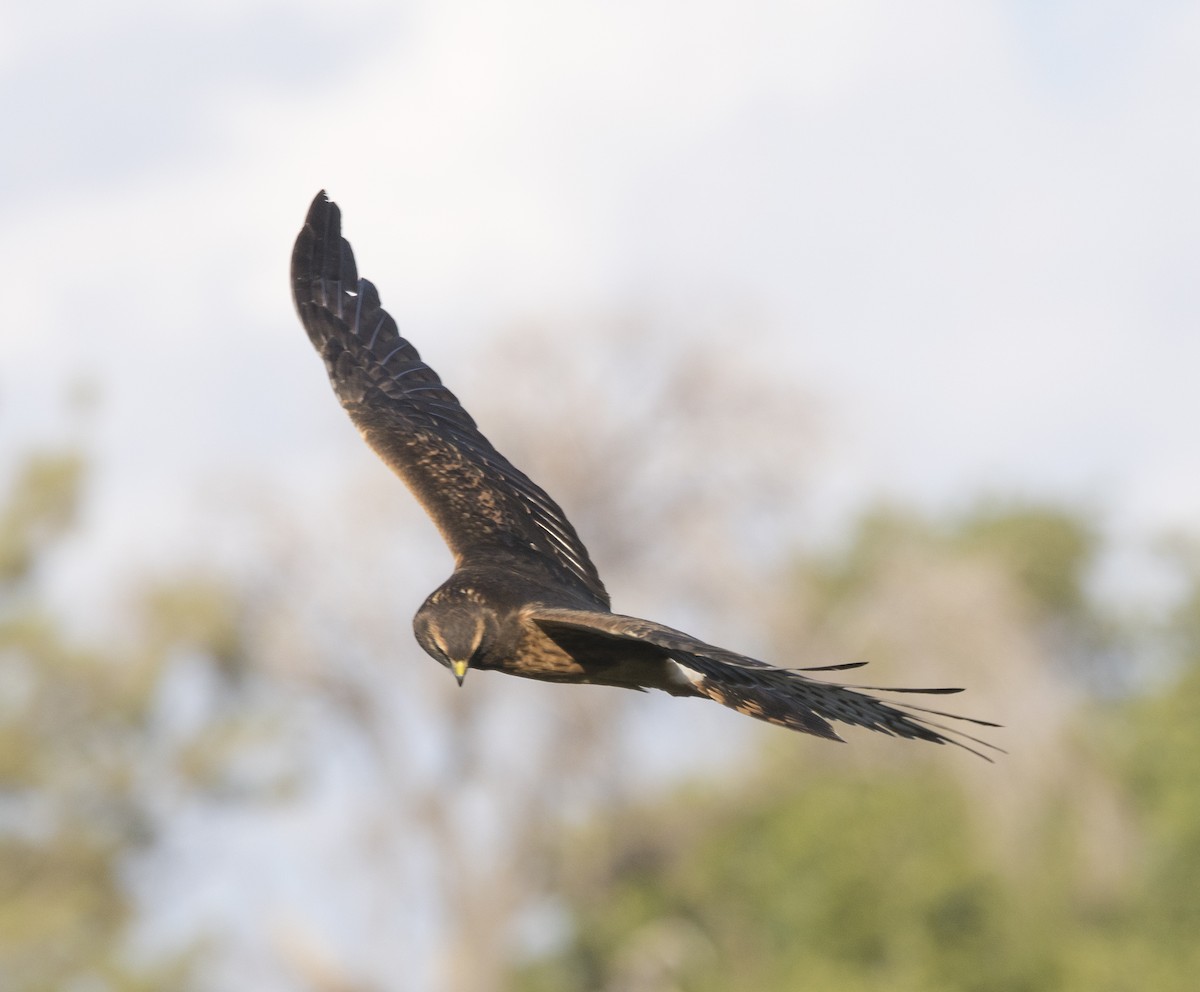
(459, 668)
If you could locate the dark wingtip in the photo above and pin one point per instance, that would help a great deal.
(320, 208)
(317, 246)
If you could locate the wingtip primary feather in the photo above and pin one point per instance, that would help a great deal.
(319, 205)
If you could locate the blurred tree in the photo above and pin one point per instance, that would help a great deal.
(820, 872)
(1047, 551)
(1152, 744)
(502, 822)
(39, 507)
(67, 811)
(852, 882)
(221, 692)
(87, 761)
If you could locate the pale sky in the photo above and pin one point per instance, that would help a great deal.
(968, 230)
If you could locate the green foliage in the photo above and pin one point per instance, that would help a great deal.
(1159, 739)
(40, 506)
(844, 882)
(854, 876)
(881, 533)
(852, 881)
(1072, 865)
(1046, 550)
(84, 756)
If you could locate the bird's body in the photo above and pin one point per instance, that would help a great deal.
(525, 598)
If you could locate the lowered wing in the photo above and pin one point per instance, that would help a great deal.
(784, 696)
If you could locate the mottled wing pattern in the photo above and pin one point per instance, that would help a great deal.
(478, 500)
(783, 696)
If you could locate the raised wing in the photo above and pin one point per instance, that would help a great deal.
(784, 696)
(478, 500)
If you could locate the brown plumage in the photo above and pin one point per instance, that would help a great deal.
(525, 598)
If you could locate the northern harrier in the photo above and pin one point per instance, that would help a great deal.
(525, 598)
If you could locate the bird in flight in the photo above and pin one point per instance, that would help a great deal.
(525, 598)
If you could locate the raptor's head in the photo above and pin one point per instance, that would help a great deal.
(457, 628)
